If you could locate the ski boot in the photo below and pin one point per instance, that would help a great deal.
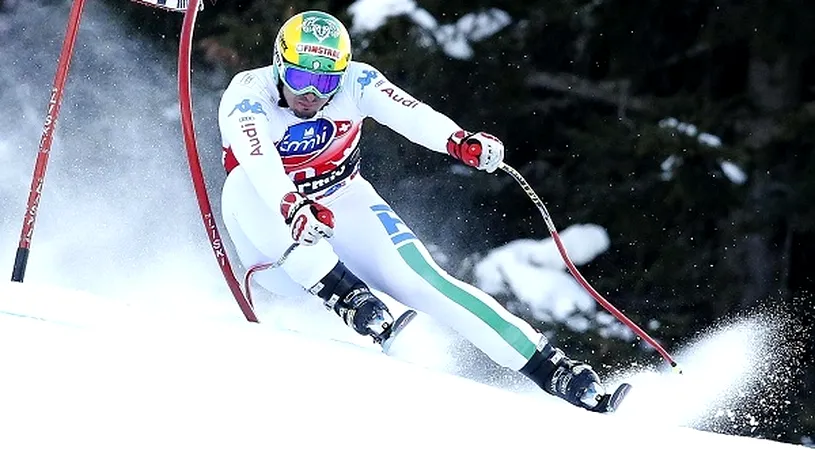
(573, 381)
(361, 310)
(367, 315)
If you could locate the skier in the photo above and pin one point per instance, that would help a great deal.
(290, 133)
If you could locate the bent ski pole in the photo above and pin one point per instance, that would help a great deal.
(259, 267)
(576, 274)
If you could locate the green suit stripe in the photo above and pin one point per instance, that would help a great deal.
(508, 331)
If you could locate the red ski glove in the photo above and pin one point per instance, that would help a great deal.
(480, 150)
(309, 221)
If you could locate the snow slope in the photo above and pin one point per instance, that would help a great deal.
(163, 359)
(84, 372)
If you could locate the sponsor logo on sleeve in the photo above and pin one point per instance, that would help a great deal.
(251, 133)
(400, 97)
(246, 106)
(366, 79)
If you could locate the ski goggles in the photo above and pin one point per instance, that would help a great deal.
(301, 81)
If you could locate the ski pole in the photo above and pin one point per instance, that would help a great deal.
(259, 267)
(576, 274)
(38, 180)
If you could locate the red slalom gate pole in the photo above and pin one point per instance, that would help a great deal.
(188, 127)
(38, 179)
(576, 274)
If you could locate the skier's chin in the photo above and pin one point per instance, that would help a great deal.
(304, 113)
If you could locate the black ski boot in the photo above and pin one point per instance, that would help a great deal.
(361, 310)
(574, 381)
(365, 313)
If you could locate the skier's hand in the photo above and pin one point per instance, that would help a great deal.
(480, 150)
(309, 221)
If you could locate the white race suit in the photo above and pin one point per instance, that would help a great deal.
(268, 151)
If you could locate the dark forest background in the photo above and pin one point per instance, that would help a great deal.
(579, 91)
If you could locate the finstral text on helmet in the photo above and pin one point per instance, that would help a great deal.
(320, 50)
(320, 28)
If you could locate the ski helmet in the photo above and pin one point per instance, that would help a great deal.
(311, 52)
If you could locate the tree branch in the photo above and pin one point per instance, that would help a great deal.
(612, 92)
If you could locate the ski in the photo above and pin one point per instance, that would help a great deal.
(398, 325)
(610, 402)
